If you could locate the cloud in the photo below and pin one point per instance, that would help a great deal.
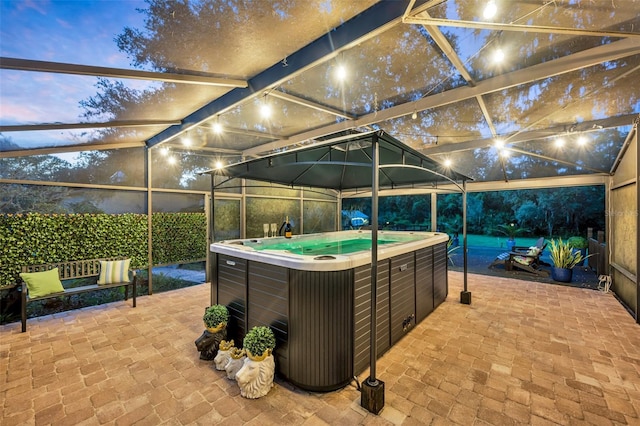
(64, 24)
(38, 6)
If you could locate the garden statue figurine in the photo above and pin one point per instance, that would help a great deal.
(208, 343)
(215, 320)
(255, 378)
(223, 355)
(235, 363)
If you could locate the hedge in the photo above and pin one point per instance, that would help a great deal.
(34, 238)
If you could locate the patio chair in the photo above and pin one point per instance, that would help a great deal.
(523, 258)
(504, 258)
(501, 259)
(540, 245)
(527, 261)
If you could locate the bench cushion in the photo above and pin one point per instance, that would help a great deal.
(114, 271)
(42, 283)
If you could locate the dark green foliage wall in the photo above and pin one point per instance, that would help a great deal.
(178, 237)
(34, 238)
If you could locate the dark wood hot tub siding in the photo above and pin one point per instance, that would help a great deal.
(322, 319)
(428, 272)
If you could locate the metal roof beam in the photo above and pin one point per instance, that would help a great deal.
(473, 186)
(369, 23)
(453, 57)
(563, 65)
(519, 137)
(70, 148)
(309, 104)
(526, 28)
(73, 126)
(76, 69)
(252, 133)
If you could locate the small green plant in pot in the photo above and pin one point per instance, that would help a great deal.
(511, 231)
(259, 342)
(215, 318)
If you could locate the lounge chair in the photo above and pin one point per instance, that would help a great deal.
(524, 258)
(504, 258)
(527, 261)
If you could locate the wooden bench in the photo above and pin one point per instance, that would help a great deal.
(74, 270)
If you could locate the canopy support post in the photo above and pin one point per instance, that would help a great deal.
(372, 394)
(211, 237)
(465, 295)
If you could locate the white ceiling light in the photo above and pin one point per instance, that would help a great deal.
(218, 165)
(172, 160)
(559, 142)
(186, 141)
(217, 128)
(447, 163)
(341, 72)
(490, 10)
(499, 143)
(498, 56)
(265, 108)
(582, 140)
(164, 150)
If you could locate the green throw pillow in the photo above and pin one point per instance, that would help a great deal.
(42, 283)
(114, 271)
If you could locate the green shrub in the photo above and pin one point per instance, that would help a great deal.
(578, 242)
(214, 315)
(259, 339)
(35, 238)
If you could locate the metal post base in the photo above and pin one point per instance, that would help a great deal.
(372, 396)
(465, 297)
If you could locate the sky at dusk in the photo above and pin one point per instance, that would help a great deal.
(75, 32)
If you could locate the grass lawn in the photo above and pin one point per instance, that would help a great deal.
(497, 241)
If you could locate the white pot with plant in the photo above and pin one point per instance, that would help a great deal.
(255, 378)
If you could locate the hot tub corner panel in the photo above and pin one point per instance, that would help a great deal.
(440, 283)
(268, 304)
(405, 287)
(321, 324)
(424, 283)
(232, 292)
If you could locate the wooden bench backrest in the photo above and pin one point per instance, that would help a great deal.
(71, 269)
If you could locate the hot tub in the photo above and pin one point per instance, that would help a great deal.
(314, 292)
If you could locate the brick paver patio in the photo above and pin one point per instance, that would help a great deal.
(522, 353)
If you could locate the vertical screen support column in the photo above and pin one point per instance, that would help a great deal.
(637, 237)
(149, 176)
(212, 258)
(465, 295)
(372, 392)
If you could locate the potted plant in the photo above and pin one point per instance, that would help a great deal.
(215, 318)
(255, 378)
(259, 342)
(511, 231)
(581, 244)
(564, 258)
